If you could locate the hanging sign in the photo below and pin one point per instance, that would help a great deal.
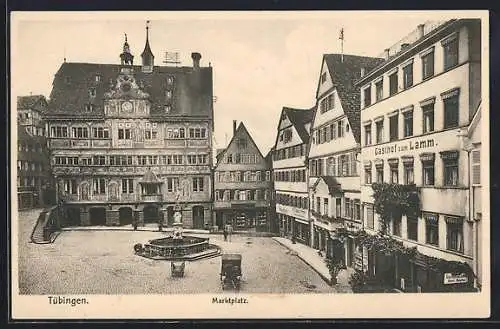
(450, 278)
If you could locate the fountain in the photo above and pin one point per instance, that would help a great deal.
(178, 246)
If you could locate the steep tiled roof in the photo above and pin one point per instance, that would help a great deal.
(299, 119)
(30, 102)
(192, 93)
(241, 130)
(344, 74)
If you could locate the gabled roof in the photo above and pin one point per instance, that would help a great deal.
(240, 130)
(192, 92)
(30, 102)
(299, 118)
(334, 186)
(344, 73)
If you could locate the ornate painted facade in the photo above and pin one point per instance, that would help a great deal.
(127, 140)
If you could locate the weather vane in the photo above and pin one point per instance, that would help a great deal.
(341, 37)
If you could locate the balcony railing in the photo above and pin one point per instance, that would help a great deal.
(152, 198)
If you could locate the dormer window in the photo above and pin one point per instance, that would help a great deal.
(168, 94)
(97, 78)
(170, 80)
(89, 107)
(167, 108)
(92, 92)
(67, 79)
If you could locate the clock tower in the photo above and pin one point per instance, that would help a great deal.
(126, 56)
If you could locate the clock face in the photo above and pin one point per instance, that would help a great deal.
(127, 107)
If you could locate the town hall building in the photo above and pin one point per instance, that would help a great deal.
(132, 142)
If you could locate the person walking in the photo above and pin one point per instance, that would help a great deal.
(225, 233)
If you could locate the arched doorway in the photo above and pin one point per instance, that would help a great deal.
(125, 215)
(151, 214)
(73, 216)
(97, 216)
(170, 215)
(198, 217)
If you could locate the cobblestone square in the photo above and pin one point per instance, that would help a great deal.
(103, 262)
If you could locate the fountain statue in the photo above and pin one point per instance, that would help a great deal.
(177, 246)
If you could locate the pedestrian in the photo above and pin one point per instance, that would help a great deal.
(160, 225)
(134, 224)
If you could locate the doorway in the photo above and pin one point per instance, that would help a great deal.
(125, 215)
(97, 216)
(198, 217)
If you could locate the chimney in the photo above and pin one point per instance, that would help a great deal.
(420, 29)
(234, 127)
(362, 72)
(386, 51)
(196, 60)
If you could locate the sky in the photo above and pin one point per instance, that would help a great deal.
(261, 61)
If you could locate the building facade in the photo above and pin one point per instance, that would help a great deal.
(290, 174)
(334, 182)
(34, 182)
(413, 107)
(242, 184)
(132, 142)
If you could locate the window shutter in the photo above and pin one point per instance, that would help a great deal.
(334, 166)
(348, 156)
(476, 167)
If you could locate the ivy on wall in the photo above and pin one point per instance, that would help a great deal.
(394, 200)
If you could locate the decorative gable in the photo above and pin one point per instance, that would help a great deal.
(242, 152)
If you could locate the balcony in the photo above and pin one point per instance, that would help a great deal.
(198, 143)
(151, 197)
(175, 143)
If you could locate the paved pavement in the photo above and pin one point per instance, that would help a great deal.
(103, 262)
(317, 262)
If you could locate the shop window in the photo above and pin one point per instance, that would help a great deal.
(412, 228)
(408, 76)
(431, 229)
(394, 127)
(454, 234)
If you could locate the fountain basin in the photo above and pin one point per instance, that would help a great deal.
(168, 248)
